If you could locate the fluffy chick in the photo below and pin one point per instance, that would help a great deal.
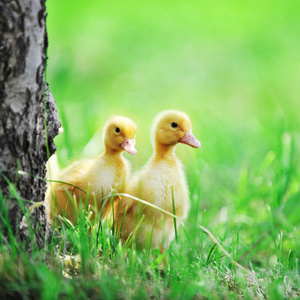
(154, 184)
(102, 173)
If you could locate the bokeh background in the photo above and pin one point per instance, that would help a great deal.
(233, 66)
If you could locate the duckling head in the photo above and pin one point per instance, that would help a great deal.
(119, 135)
(172, 127)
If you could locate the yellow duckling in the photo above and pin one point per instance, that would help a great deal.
(102, 173)
(154, 184)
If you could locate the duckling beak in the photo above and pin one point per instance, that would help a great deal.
(190, 140)
(128, 146)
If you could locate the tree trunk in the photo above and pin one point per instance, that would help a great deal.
(23, 94)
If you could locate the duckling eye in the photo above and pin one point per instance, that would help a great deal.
(117, 130)
(174, 125)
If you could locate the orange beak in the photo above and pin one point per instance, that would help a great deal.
(128, 146)
(190, 140)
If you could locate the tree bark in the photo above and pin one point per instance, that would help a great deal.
(23, 48)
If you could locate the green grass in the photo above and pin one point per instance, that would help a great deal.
(80, 262)
(233, 67)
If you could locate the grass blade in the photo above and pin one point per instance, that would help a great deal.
(173, 202)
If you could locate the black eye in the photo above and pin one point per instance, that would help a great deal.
(117, 130)
(174, 125)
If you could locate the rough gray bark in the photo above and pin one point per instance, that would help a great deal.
(23, 46)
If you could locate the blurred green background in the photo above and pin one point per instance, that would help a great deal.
(233, 66)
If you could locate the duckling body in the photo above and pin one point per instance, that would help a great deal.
(154, 183)
(96, 175)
